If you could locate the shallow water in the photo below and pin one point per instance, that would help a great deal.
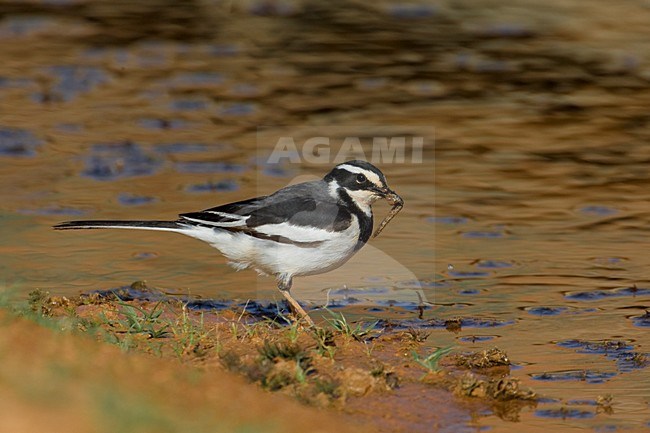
(528, 210)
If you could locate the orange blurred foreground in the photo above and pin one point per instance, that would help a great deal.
(52, 381)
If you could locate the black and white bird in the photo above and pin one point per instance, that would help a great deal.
(302, 229)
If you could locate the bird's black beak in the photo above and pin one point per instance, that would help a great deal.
(393, 198)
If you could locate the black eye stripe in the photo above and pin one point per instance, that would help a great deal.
(356, 180)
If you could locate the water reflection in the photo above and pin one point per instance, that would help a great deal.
(18, 142)
(533, 184)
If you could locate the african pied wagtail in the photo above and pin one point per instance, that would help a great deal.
(303, 229)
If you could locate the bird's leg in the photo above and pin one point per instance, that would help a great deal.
(284, 284)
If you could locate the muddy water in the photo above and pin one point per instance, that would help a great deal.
(528, 209)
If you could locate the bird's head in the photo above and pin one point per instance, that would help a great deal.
(362, 181)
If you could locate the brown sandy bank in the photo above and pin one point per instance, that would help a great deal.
(54, 381)
(170, 368)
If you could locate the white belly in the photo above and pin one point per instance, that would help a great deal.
(276, 258)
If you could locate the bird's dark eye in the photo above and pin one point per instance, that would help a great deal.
(361, 178)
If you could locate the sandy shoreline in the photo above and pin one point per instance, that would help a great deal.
(231, 371)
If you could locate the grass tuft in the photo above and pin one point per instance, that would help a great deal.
(39, 302)
(325, 344)
(431, 361)
(190, 336)
(133, 319)
(359, 332)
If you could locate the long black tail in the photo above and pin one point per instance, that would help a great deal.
(117, 224)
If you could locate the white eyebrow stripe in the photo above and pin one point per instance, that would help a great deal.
(371, 175)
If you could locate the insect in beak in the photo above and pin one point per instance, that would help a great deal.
(396, 201)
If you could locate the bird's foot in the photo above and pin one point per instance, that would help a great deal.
(297, 309)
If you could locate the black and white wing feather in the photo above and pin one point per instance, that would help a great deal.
(301, 214)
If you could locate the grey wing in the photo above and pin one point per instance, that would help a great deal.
(227, 215)
(306, 205)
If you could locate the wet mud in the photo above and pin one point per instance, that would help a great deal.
(361, 369)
